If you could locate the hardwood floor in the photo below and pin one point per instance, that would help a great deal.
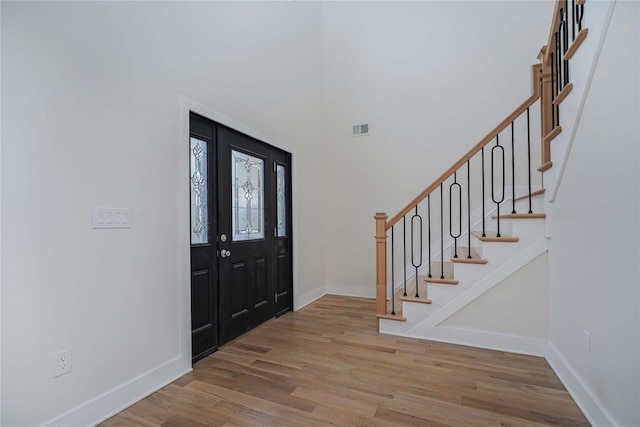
(327, 365)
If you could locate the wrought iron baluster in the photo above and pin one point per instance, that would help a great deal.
(469, 205)
(513, 173)
(565, 45)
(429, 231)
(579, 15)
(415, 264)
(529, 157)
(553, 93)
(573, 20)
(483, 196)
(455, 236)
(441, 233)
(404, 252)
(393, 277)
(493, 192)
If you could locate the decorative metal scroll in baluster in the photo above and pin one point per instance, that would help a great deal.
(404, 252)
(455, 236)
(416, 219)
(500, 149)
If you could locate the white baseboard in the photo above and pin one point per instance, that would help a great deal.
(93, 412)
(301, 301)
(586, 400)
(352, 291)
(486, 340)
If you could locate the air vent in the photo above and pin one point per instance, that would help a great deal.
(360, 130)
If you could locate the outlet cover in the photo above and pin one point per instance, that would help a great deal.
(62, 363)
(586, 342)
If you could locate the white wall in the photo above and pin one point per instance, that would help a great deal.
(517, 306)
(431, 79)
(91, 113)
(594, 249)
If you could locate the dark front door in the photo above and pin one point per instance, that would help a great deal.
(253, 236)
(250, 226)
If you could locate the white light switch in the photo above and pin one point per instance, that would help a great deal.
(111, 217)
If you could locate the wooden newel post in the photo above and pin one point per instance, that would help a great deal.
(381, 263)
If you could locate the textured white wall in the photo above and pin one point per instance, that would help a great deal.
(594, 249)
(516, 306)
(90, 96)
(431, 79)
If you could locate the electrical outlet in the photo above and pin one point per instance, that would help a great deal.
(62, 363)
(586, 342)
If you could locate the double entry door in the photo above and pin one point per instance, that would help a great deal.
(241, 266)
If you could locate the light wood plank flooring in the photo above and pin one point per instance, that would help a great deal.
(327, 365)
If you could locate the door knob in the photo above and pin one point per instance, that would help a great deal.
(224, 253)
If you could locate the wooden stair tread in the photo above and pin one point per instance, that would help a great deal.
(522, 216)
(463, 256)
(421, 300)
(533, 194)
(555, 132)
(397, 317)
(492, 236)
(545, 166)
(576, 42)
(441, 281)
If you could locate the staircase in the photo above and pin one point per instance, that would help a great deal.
(484, 218)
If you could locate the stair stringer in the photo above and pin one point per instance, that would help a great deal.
(422, 325)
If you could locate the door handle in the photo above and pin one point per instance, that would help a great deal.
(224, 253)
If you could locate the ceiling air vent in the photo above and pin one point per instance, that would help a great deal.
(360, 130)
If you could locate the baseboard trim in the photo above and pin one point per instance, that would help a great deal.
(482, 339)
(306, 299)
(114, 401)
(586, 400)
(352, 291)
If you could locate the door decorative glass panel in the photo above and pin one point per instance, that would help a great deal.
(199, 198)
(281, 200)
(247, 196)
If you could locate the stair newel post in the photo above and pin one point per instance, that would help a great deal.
(381, 263)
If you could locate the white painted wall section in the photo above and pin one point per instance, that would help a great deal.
(516, 306)
(594, 249)
(91, 97)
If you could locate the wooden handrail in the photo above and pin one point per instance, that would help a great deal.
(551, 45)
(535, 71)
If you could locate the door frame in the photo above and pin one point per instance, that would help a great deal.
(188, 105)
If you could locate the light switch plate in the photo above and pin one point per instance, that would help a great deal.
(111, 217)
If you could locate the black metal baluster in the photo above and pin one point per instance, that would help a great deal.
(493, 192)
(529, 157)
(455, 237)
(404, 252)
(573, 20)
(413, 262)
(565, 41)
(553, 93)
(429, 230)
(513, 173)
(579, 16)
(441, 234)
(469, 205)
(483, 213)
(393, 278)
